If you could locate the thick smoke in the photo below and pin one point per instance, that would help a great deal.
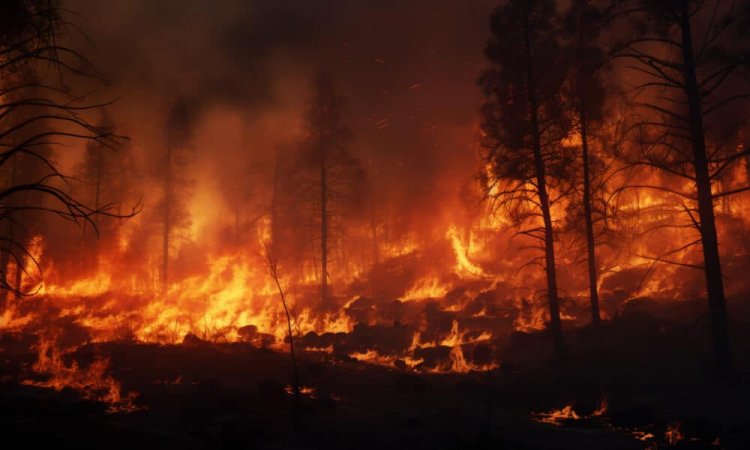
(408, 72)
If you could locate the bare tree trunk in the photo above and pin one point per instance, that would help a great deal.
(295, 372)
(16, 232)
(583, 119)
(98, 186)
(8, 244)
(5, 261)
(97, 203)
(167, 219)
(590, 243)
(549, 243)
(323, 225)
(712, 263)
(19, 270)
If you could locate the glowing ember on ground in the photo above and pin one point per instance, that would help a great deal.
(307, 391)
(568, 414)
(557, 416)
(673, 435)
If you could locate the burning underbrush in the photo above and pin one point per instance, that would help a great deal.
(460, 332)
(94, 382)
(450, 307)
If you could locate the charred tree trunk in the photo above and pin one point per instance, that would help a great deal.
(8, 244)
(323, 224)
(17, 234)
(590, 243)
(587, 210)
(290, 334)
(167, 219)
(5, 260)
(98, 185)
(19, 277)
(541, 185)
(97, 202)
(712, 263)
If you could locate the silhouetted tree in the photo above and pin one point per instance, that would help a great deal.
(523, 125)
(171, 163)
(326, 161)
(22, 169)
(586, 94)
(104, 172)
(96, 165)
(689, 54)
(37, 113)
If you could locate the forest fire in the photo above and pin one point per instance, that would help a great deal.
(267, 224)
(92, 382)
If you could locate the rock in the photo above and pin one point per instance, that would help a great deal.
(191, 340)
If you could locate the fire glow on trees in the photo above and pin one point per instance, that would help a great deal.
(422, 217)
